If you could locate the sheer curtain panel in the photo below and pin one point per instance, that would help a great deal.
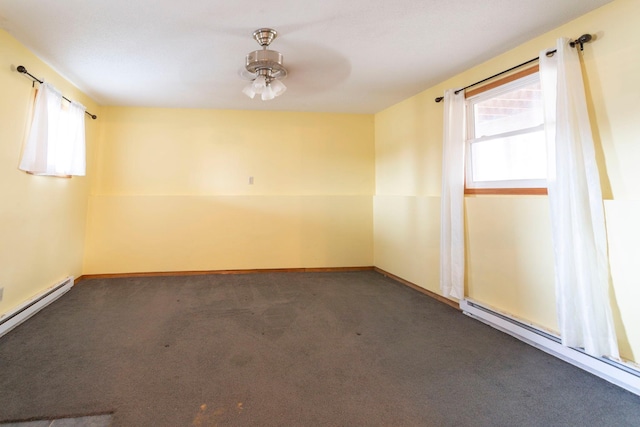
(577, 213)
(56, 142)
(452, 200)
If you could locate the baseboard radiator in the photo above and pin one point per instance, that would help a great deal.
(33, 305)
(620, 374)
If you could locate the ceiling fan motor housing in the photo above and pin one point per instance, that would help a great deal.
(266, 59)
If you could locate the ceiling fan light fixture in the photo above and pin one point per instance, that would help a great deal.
(268, 94)
(248, 90)
(259, 84)
(267, 66)
(278, 87)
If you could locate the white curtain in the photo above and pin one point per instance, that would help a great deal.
(74, 160)
(56, 142)
(577, 213)
(452, 201)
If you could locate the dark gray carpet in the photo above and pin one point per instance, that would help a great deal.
(286, 349)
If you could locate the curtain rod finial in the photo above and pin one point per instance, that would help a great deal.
(21, 69)
(585, 38)
(439, 99)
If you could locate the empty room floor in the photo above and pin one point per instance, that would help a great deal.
(273, 349)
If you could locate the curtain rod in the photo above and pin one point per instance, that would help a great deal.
(23, 70)
(585, 38)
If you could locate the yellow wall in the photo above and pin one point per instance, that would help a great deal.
(173, 193)
(509, 264)
(42, 219)
(169, 189)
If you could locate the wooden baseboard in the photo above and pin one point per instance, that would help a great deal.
(420, 289)
(204, 272)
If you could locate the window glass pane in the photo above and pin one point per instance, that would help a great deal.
(511, 158)
(518, 109)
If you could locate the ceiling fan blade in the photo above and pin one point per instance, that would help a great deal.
(247, 75)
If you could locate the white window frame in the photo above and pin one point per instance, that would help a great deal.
(483, 96)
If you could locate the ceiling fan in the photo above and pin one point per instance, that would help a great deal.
(264, 68)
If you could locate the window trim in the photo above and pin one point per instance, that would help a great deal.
(488, 190)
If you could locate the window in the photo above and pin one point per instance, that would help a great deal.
(506, 147)
(56, 142)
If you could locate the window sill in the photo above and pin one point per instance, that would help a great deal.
(47, 174)
(506, 191)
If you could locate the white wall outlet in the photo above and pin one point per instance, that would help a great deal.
(250, 180)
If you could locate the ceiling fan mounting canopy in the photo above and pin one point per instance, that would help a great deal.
(264, 36)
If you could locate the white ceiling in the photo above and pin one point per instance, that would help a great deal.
(352, 56)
